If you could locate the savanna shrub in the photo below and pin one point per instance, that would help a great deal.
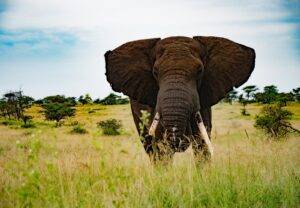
(273, 119)
(28, 125)
(110, 126)
(57, 111)
(79, 129)
(9, 122)
(112, 99)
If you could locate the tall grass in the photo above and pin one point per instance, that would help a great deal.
(48, 167)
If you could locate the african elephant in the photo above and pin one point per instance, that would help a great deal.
(177, 80)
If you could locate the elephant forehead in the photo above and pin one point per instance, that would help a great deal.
(178, 44)
(178, 39)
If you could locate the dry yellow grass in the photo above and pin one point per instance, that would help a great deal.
(50, 167)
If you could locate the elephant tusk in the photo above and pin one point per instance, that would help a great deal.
(154, 125)
(204, 135)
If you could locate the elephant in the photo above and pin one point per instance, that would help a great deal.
(177, 80)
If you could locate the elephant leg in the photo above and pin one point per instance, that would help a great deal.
(136, 109)
(156, 152)
(200, 149)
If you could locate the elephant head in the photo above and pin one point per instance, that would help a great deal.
(177, 76)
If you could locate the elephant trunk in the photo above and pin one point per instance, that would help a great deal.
(175, 109)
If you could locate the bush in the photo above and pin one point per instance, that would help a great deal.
(70, 101)
(110, 126)
(112, 99)
(9, 122)
(79, 129)
(85, 99)
(28, 125)
(57, 111)
(273, 119)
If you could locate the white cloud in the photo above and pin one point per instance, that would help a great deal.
(102, 25)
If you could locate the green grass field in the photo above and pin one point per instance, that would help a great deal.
(51, 167)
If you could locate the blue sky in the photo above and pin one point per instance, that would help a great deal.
(56, 47)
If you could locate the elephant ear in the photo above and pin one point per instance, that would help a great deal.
(129, 70)
(226, 65)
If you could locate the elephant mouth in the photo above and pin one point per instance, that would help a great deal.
(180, 142)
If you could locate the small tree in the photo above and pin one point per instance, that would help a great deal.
(250, 91)
(283, 98)
(71, 101)
(243, 102)
(57, 111)
(14, 104)
(273, 119)
(3, 108)
(230, 97)
(270, 94)
(86, 99)
(296, 93)
(113, 99)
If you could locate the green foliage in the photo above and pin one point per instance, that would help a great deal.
(70, 101)
(250, 91)
(296, 93)
(28, 125)
(14, 104)
(144, 121)
(112, 99)
(110, 127)
(79, 129)
(268, 96)
(244, 102)
(273, 119)
(57, 111)
(9, 122)
(283, 98)
(231, 96)
(86, 99)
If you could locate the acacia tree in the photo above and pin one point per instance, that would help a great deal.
(273, 119)
(296, 93)
(85, 99)
(57, 111)
(243, 102)
(283, 98)
(3, 108)
(71, 101)
(112, 99)
(14, 104)
(231, 96)
(250, 91)
(270, 94)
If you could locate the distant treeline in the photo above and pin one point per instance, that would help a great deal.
(270, 94)
(13, 105)
(111, 99)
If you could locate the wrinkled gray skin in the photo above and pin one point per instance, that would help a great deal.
(176, 78)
